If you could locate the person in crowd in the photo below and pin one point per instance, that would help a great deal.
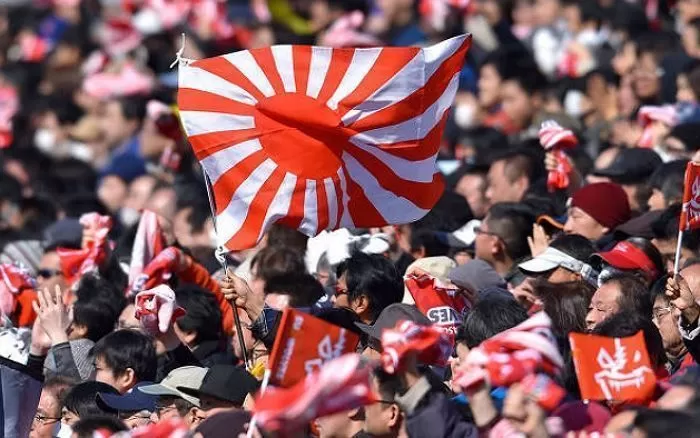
(512, 174)
(635, 255)
(90, 426)
(81, 402)
(666, 319)
(564, 260)
(223, 387)
(666, 185)
(124, 358)
(617, 292)
(597, 209)
(47, 419)
(172, 402)
(665, 230)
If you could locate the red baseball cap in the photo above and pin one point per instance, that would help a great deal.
(624, 255)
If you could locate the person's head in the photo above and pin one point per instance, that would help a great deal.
(139, 192)
(223, 387)
(296, 290)
(521, 92)
(384, 418)
(124, 358)
(546, 12)
(502, 236)
(636, 256)
(202, 319)
(580, 16)
(273, 261)
(620, 291)
(627, 323)
(112, 192)
(426, 243)
(563, 261)
(282, 236)
(48, 412)
(367, 284)
(192, 223)
(472, 186)
(566, 304)
(491, 74)
(81, 402)
(511, 175)
(688, 85)
(90, 426)
(345, 424)
(92, 319)
(172, 402)
(667, 185)
(121, 119)
(99, 287)
(666, 318)
(597, 209)
(665, 229)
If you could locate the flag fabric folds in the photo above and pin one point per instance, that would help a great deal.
(432, 345)
(319, 138)
(690, 215)
(444, 305)
(148, 243)
(303, 344)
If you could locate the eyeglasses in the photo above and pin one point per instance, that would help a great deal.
(656, 314)
(340, 291)
(43, 419)
(162, 410)
(47, 273)
(479, 230)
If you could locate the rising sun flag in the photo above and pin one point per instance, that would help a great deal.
(319, 138)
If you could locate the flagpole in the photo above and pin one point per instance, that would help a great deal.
(263, 387)
(679, 245)
(224, 264)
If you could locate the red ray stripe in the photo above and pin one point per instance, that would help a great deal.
(266, 62)
(390, 61)
(225, 70)
(301, 55)
(362, 211)
(424, 195)
(322, 205)
(340, 61)
(212, 142)
(229, 182)
(248, 234)
(339, 201)
(190, 99)
(418, 101)
(418, 149)
(296, 208)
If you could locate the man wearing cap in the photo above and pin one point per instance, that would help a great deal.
(223, 387)
(564, 260)
(596, 209)
(134, 407)
(172, 402)
(631, 169)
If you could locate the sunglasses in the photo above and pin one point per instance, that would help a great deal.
(47, 273)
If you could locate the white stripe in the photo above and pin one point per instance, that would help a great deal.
(230, 221)
(419, 171)
(198, 79)
(219, 162)
(285, 66)
(362, 62)
(279, 207)
(200, 122)
(415, 128)
(309, 225)
(320, 62)
(413, 76)
(332, 202)
(346, 219)
(393, 208)
(245, 62)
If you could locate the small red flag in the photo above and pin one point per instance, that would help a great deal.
(613, 368)
(148, 243)
(432, 344)
(340, 385)
(690, 216)
(444, 306)
(77, 262)
(303, 344)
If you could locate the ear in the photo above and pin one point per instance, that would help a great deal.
(356, 414)
(79, 330)
(360, 305)
(419, 253)
(394, 416)
(128, 379)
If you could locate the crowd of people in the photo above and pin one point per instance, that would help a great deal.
(115, 302)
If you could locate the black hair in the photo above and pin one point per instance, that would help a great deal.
(71, 177)
(666, 227)
(429, 242)
(124, 349)
(566, 304)
(522, 161)
(303, 289)
(687, 133)
(76, 205)
(10, 188)
(449, 214)
(193, 196)
(666, 423)
(389, 384)
(133, 108)
(657, 44)
(342, 317)
(86, 427)
(59, 387)
(634, 296)
(668, 179)
(96, 288)
(512, 222)
(82, 399)
(203, 314)
(66, 111)
(590, 11)
(97, 316)
(491, 315)
(574, 245)
(627, 323)
(272, 261)
(373, 276)
(280, 235)
(526, 74)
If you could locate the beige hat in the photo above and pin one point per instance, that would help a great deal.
(438, 267)
(188, 377)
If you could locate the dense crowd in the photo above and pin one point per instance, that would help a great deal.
(564, 157)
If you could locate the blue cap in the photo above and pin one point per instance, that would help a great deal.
(132, 401)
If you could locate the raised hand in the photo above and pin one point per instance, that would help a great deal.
(53, 315)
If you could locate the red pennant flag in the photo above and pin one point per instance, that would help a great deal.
(342, 384)
(433, 345)
(613, 368)
(444, 306)
(690, 215)
(303, 344)
(320, 138)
